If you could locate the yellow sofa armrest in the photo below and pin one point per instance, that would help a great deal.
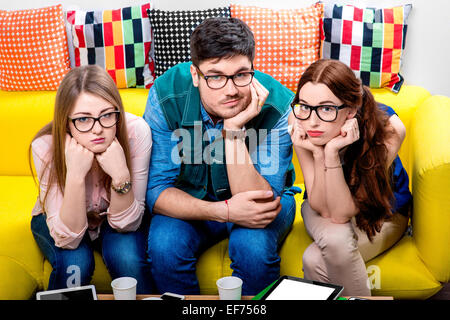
(431, 184)
(16, 283)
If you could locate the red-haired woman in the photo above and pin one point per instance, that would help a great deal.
(357, 202)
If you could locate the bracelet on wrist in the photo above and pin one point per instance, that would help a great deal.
(234, 134)
(228, 211)
(333, 167)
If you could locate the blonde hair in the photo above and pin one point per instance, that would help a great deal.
(90, 79)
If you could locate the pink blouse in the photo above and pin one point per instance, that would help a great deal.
(97, 199)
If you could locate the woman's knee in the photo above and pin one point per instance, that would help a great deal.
(312, 260)
(337, 238)
(76, 266)
(124, 257)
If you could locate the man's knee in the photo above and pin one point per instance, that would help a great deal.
(169, 251)
(250, 247)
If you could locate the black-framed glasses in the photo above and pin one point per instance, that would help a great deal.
(240, 79)
(85, 124)
(327, 113)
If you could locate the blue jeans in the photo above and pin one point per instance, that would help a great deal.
(174, 246)
(124, 254)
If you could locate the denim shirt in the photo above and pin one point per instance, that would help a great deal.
(270, 159)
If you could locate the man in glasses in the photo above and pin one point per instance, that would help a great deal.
(221, 162)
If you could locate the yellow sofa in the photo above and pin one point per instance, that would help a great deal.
(414, 268)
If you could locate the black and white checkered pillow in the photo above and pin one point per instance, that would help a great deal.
(172, 31)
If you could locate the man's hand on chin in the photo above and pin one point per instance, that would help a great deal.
(259, 95)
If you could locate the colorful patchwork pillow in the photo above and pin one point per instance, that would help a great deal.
(33, 49)
(370, 41)
(117, 40)
(287, 40)
(172, 31)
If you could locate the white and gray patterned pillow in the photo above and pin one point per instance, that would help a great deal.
(172, 31)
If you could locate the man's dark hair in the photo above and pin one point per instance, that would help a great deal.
(221, 38)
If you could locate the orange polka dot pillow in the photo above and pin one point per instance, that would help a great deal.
(287, 40)
(33, 49)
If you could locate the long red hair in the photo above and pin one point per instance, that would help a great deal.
(365, 169)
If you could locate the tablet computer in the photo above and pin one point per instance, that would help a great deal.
(292, 288)
(75, 293)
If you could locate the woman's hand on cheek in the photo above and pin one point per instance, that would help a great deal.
(113, 161)
(78, 158)
(300, 138)
(349, 133)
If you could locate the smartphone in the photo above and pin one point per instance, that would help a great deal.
(172, 296)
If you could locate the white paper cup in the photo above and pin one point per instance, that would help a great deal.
(230, 288)
(124, 288)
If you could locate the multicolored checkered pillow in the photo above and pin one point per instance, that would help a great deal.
(117, 40)
(368, 40)
(172, 31)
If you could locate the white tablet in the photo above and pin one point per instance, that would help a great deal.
(75, 293)
(292, 288)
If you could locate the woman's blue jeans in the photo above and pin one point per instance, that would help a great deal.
(174, 246)
(124, 255)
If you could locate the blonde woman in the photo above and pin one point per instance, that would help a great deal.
(92, 165)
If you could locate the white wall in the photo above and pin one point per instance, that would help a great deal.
(427, 49)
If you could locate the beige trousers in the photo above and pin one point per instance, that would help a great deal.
(339, 251)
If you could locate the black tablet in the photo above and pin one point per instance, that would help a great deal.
(292, 288)
(75, 293)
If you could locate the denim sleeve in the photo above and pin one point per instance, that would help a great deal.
(389, 111)
(164, 164)
(273, 156)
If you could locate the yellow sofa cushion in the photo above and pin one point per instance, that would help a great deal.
(404, 103)
(403, 274)
(432, 185)
(19, 283)
(22, 115)
(17, 196)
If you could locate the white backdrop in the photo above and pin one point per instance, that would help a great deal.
(425, 59)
